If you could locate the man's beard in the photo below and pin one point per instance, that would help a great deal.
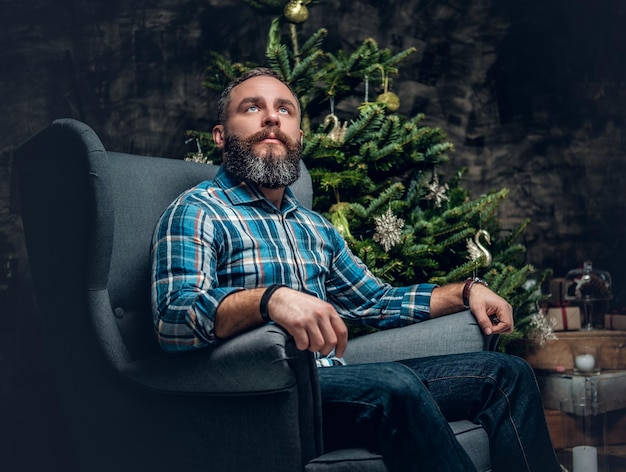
(269, 169)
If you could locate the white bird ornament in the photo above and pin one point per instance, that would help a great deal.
(476, 250)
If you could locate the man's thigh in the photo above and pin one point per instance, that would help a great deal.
(357, 399)
(462, 384)
(388, 408)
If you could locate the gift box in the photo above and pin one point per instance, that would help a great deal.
(566, 318)
(615, 321)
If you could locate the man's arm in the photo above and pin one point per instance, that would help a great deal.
(493, 313)
(313, 323)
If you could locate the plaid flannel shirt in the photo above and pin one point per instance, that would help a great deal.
(223, 236)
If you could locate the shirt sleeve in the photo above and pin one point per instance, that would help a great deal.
(360, 296)
(185, 293)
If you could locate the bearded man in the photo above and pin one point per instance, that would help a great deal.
(240, 251)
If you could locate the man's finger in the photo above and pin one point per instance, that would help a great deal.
(341, 332)
(301, 338)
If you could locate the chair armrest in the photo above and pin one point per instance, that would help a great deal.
(452, 334)
(255, 362)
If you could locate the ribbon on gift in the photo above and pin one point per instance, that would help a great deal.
(564, 316)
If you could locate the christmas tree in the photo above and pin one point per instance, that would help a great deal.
(378, 178)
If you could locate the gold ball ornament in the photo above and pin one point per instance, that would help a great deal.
(390, 99)
(296, 11)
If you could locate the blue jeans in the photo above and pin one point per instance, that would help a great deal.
(401, 411)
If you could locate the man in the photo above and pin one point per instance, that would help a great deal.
(240, 251)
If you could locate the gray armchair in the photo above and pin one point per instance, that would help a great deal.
(251, 404)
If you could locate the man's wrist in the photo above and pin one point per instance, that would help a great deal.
(265, 299)
(467, 287)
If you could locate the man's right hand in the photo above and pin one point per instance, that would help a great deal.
(313, 323)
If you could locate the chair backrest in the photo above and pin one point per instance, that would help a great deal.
(99, 209)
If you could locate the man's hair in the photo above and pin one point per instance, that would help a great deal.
(224, 101)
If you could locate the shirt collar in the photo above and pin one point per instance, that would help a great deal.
(240, 193)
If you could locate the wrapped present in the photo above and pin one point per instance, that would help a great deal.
(614, 321)
(557, 292)
(566, 318)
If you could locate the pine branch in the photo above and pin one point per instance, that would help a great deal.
(278, 58)
(314, 42)
(370, 118)
(299, 74)
(384, 198)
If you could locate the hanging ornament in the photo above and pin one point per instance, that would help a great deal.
(476, 250)
(388, 229)
(437, 192)
(387, 98)
(296, 11)
(390, 100)
(338, 130)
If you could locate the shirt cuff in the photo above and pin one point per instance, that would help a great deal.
(416, 302)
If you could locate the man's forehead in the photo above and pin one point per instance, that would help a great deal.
(262, 87)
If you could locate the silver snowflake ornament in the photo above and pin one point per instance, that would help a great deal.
(437, 192)
(388, 229)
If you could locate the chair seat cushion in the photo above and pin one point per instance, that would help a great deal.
(472, 437)
(347, 460)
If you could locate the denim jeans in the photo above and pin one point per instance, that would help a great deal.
(401, 411)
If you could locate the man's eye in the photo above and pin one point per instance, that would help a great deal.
(283, 111)
(252, 108)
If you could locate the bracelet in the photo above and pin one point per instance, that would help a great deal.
(469, 283)
(265, 299)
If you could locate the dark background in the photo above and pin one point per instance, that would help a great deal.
(531, 93)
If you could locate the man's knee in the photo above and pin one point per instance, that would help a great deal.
(509, 367)
(400, 383)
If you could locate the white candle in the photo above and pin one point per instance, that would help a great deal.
(585, 459)
(585, 362)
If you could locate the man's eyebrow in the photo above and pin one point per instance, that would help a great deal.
(286, 101)
(249, 100)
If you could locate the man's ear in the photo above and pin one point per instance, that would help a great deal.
(218, 136)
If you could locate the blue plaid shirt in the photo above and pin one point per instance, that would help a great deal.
(223, 236)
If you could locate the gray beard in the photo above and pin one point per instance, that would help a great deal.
(268, 170)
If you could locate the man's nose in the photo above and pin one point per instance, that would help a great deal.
(271, 118)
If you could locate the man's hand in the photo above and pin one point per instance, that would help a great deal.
(493, 313)
(313, 323)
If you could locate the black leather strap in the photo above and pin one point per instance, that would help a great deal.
(265, 299)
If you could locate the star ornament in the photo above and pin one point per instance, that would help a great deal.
(388, 229)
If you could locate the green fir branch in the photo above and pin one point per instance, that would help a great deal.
(279, 59)
(314, 42)
(370, 118)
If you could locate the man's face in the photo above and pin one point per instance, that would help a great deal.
(262, 137)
